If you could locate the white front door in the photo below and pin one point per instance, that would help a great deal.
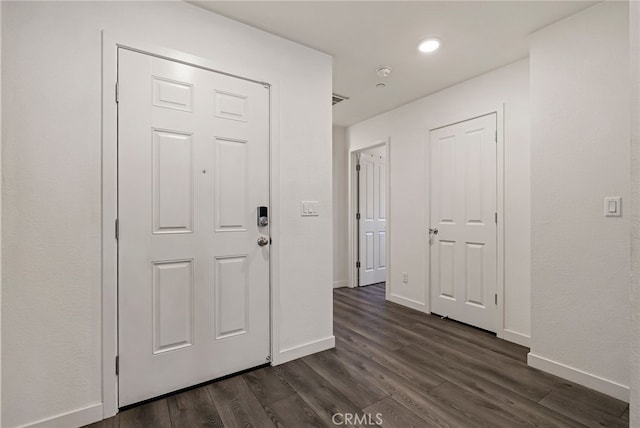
(373, 221)
(193, 284)
(463, 222)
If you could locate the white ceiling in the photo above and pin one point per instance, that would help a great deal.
(477, 36)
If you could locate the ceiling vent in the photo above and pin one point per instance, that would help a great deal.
(338, 98)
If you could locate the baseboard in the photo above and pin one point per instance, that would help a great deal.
(515, 337)
(410, 303)
(340, 284)
(75, 418)
(600, 384)
(305, 349)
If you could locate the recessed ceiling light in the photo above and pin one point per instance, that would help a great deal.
(429, 45)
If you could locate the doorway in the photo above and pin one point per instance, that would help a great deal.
(193, 230)
(369, 211)
(463, 228)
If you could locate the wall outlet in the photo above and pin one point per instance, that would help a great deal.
(405, 277)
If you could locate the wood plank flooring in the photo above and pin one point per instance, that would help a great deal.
(392, 364)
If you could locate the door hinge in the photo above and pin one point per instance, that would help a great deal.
(358, 167)
(117, 365)
(358, 265)
(358, 216)
(496, 217)
(495, 137)
(117, 229)
(117, 92)
(495, 298)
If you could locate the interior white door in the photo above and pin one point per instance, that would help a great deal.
(193, 283)
(373, 222)
(463, 222)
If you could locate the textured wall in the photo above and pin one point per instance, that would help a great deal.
(340, 208)
(580, 154)
(634, 52)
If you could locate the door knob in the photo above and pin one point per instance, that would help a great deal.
(433, 231)
(263, 240)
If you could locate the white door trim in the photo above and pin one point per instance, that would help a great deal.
(499, 111)
(110, 43)
(353, 207)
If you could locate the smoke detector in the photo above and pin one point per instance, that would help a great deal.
(383, 71)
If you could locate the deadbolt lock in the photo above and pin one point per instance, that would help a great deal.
(263, 216)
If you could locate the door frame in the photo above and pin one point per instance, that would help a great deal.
(352, 178)
(500, 267)
(111, 41)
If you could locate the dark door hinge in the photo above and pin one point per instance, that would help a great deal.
(358, 216)
(117, 229)
(495, 298)
(358, 265)
(358, 167)
(117, 365)
(496, 218)
(117, 92)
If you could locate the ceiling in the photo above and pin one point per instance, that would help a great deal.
(477, 36)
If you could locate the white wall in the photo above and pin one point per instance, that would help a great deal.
(634, 52)
(377, 151)
(580, 154)
(408, 128)
(340, 208)
(0, 214)
(51, 354)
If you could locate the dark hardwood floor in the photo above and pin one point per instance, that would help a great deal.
(392, 364)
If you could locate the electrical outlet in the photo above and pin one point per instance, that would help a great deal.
(405, 277)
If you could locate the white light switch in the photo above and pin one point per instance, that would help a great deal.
(309, 208)
(613, 206)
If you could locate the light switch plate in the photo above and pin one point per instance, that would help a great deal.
(613, 206)
(309, 208)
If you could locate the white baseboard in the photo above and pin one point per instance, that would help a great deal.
(304, 350)
(600, 384)
(75, 418)
(340, 284)
(515, 337)
(410, 303)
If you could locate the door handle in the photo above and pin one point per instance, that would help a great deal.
(262, 241)
(433, 231)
